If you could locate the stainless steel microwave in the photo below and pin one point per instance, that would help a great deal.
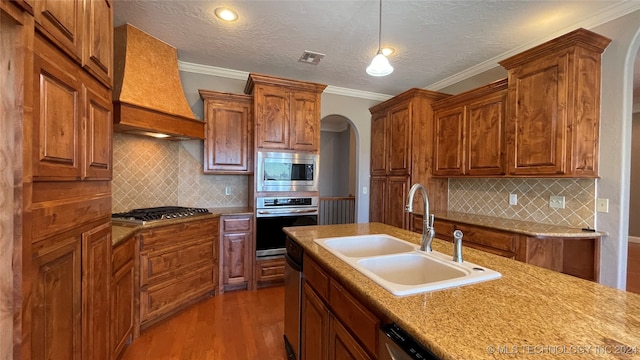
(282, 171)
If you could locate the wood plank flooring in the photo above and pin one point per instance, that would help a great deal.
(233, 326)
(633, 268)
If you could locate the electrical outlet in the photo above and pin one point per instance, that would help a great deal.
(602, 205)
(556, 202)
(513, 199)
(227, 190)
(364, 190)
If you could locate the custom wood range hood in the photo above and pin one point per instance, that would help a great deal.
(147, 96)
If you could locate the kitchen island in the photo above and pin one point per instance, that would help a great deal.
(529, 312)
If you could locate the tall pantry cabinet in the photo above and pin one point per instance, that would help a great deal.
(401, 155)
(66, 180)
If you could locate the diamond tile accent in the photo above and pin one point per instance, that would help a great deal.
(491, 197)
(145, 172)
(199, 190)
(150, 172)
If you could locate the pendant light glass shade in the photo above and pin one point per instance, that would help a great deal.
(379, 65)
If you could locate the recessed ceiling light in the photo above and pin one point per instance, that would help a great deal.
(226, 14)
(387, 51)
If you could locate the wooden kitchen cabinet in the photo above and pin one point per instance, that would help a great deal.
(73, 115)
(401, 155)
(228, 144)
(389, 193)
(397, 190)
(342, 345)
(97, 133)
(579, 257)
(62, 22)
(378, 198)
(57, 113)
(236, 237)
(448, 154)
(554, 107)
(71, 294)
(55, 319)
(269, 271)
(178, 266)
(469, 135)
(335, 325)
(379, 144)
(96, 293)
(286, 113)
(315, 326)
(122, 295)
(83, 30)
(65, 180)
(97, 50)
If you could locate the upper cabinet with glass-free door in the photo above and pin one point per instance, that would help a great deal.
(553, 118)
(286, 113)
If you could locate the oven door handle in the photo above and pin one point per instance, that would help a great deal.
(290, 211)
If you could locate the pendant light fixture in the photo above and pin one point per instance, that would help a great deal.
(380, 64)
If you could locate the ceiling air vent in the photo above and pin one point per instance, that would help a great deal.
(310, 57)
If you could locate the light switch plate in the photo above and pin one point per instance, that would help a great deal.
(556, 202)
(227, 190)
(513, 199)
(602, 205)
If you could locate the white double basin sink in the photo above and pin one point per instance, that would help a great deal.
(401, 268)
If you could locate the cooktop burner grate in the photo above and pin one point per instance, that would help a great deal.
(158, 213)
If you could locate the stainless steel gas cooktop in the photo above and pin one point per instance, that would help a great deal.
(142, 216)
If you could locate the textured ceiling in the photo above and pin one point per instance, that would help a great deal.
(434, 39)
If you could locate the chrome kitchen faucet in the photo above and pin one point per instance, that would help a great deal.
(428, 233)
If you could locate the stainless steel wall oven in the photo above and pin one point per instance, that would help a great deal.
(273, 214)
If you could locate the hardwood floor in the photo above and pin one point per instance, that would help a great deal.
(633, 268)
(234, 326)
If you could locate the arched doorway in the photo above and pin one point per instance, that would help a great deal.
(338, 175)
(633, 255)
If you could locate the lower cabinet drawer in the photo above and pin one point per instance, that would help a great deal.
(489, 238)
(443, 230)
(270, 270)
(157, 265)
(316, 277)
(161, 299)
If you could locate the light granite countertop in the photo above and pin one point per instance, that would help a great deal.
(530, 312)
(517, 226)
(121, 230)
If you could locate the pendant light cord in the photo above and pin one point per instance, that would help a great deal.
(380, 28)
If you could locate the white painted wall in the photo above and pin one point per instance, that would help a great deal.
(334, 165)
(615, 144)
(634, 193)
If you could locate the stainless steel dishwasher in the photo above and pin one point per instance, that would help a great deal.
(292, 298)
(395, 344)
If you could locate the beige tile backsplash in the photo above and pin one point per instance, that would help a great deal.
(491, 197)
(151, 172)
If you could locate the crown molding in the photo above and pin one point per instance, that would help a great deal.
(611, 13)
(243, 75)
(212, 70)
(336, 90)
